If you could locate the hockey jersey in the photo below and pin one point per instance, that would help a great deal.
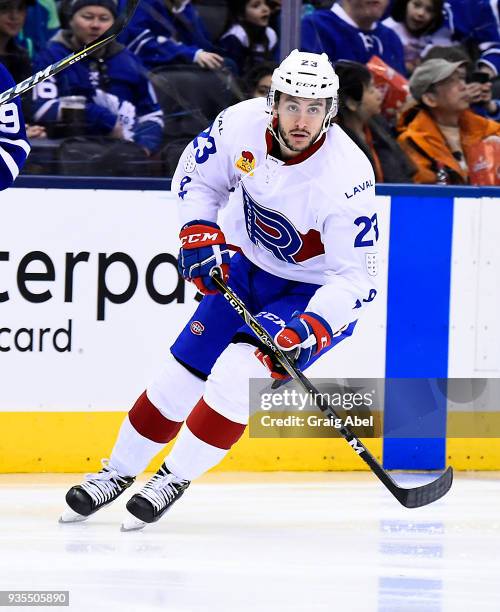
(159, 37)
(333, 32)
(312, 219)
(115, 86)
(14, 146)
(477, 22)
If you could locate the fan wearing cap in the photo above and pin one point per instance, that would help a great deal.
(120, 102)
(294, 193)
(438, 131)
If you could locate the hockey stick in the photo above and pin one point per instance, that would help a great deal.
(118, 26)
(410, 498)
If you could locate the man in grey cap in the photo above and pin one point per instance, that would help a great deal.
(439, 130)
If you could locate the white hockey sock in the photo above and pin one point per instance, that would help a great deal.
(132, 451)
(191, 457)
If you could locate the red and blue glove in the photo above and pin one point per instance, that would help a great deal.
(203, 246)
(304, 336)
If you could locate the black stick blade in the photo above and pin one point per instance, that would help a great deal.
(426, 494)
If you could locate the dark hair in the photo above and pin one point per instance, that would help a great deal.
(452, 53)
(354, 78)
(253, 76)
(398, 13)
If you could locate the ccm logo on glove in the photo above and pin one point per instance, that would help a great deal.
(197, 238)
(203, 246)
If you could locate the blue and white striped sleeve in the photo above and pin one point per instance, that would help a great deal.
(14, 146)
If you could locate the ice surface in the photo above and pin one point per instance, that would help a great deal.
(263, 542)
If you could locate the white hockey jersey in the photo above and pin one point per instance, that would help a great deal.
(311, 219)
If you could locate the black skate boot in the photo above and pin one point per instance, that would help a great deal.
(95, 492)
(154, 499)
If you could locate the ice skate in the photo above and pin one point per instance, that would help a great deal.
(95, 492)
(154, 499)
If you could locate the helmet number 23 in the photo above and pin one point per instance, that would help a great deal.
(366, 224)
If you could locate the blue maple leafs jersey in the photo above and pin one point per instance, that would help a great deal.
(334, 33)
(14, 146)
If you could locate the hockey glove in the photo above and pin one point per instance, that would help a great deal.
(203, 246)
(304, 336)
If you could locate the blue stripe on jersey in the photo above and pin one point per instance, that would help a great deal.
(420, 252)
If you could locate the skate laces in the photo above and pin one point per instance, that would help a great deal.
(103, 485)
(163, 488)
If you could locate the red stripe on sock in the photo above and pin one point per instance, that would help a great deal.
(213, 428)
(150, 422)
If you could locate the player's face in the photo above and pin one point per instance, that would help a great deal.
(257, 12)
(299, 122)
(12, 17)
(90, 22)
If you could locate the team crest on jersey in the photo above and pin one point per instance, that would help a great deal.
(273, 231)
(197, 328)
(246, 162)
(371, 263)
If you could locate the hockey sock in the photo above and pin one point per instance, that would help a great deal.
(143, 434)
(150, 422)
(203, 443)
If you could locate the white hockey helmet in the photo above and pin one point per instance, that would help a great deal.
(306, 75)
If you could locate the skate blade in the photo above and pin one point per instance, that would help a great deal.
(131, 523)
(70, 516)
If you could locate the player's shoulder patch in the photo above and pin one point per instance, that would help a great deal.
(246, 162)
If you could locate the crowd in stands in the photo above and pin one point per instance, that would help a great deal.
(419, 80)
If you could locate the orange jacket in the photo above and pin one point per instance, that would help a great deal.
(425, 145)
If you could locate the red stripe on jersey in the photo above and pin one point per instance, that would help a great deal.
(147, 420)
(269, 230)
(311, 246)
(213, 428)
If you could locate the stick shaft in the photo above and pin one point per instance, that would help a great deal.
(415, 497)
(119, 25)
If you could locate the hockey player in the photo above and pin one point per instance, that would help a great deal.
(298, 199)
(14, 146)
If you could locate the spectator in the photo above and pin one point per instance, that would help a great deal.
(352, 30)
(12, 56)
(359, 116)
(120, 102)
(257, 81)
(249, 40)
(419, 25)
(475, 24)
(437, 133)
(42, 22)
(479, 86)
(166, 32)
